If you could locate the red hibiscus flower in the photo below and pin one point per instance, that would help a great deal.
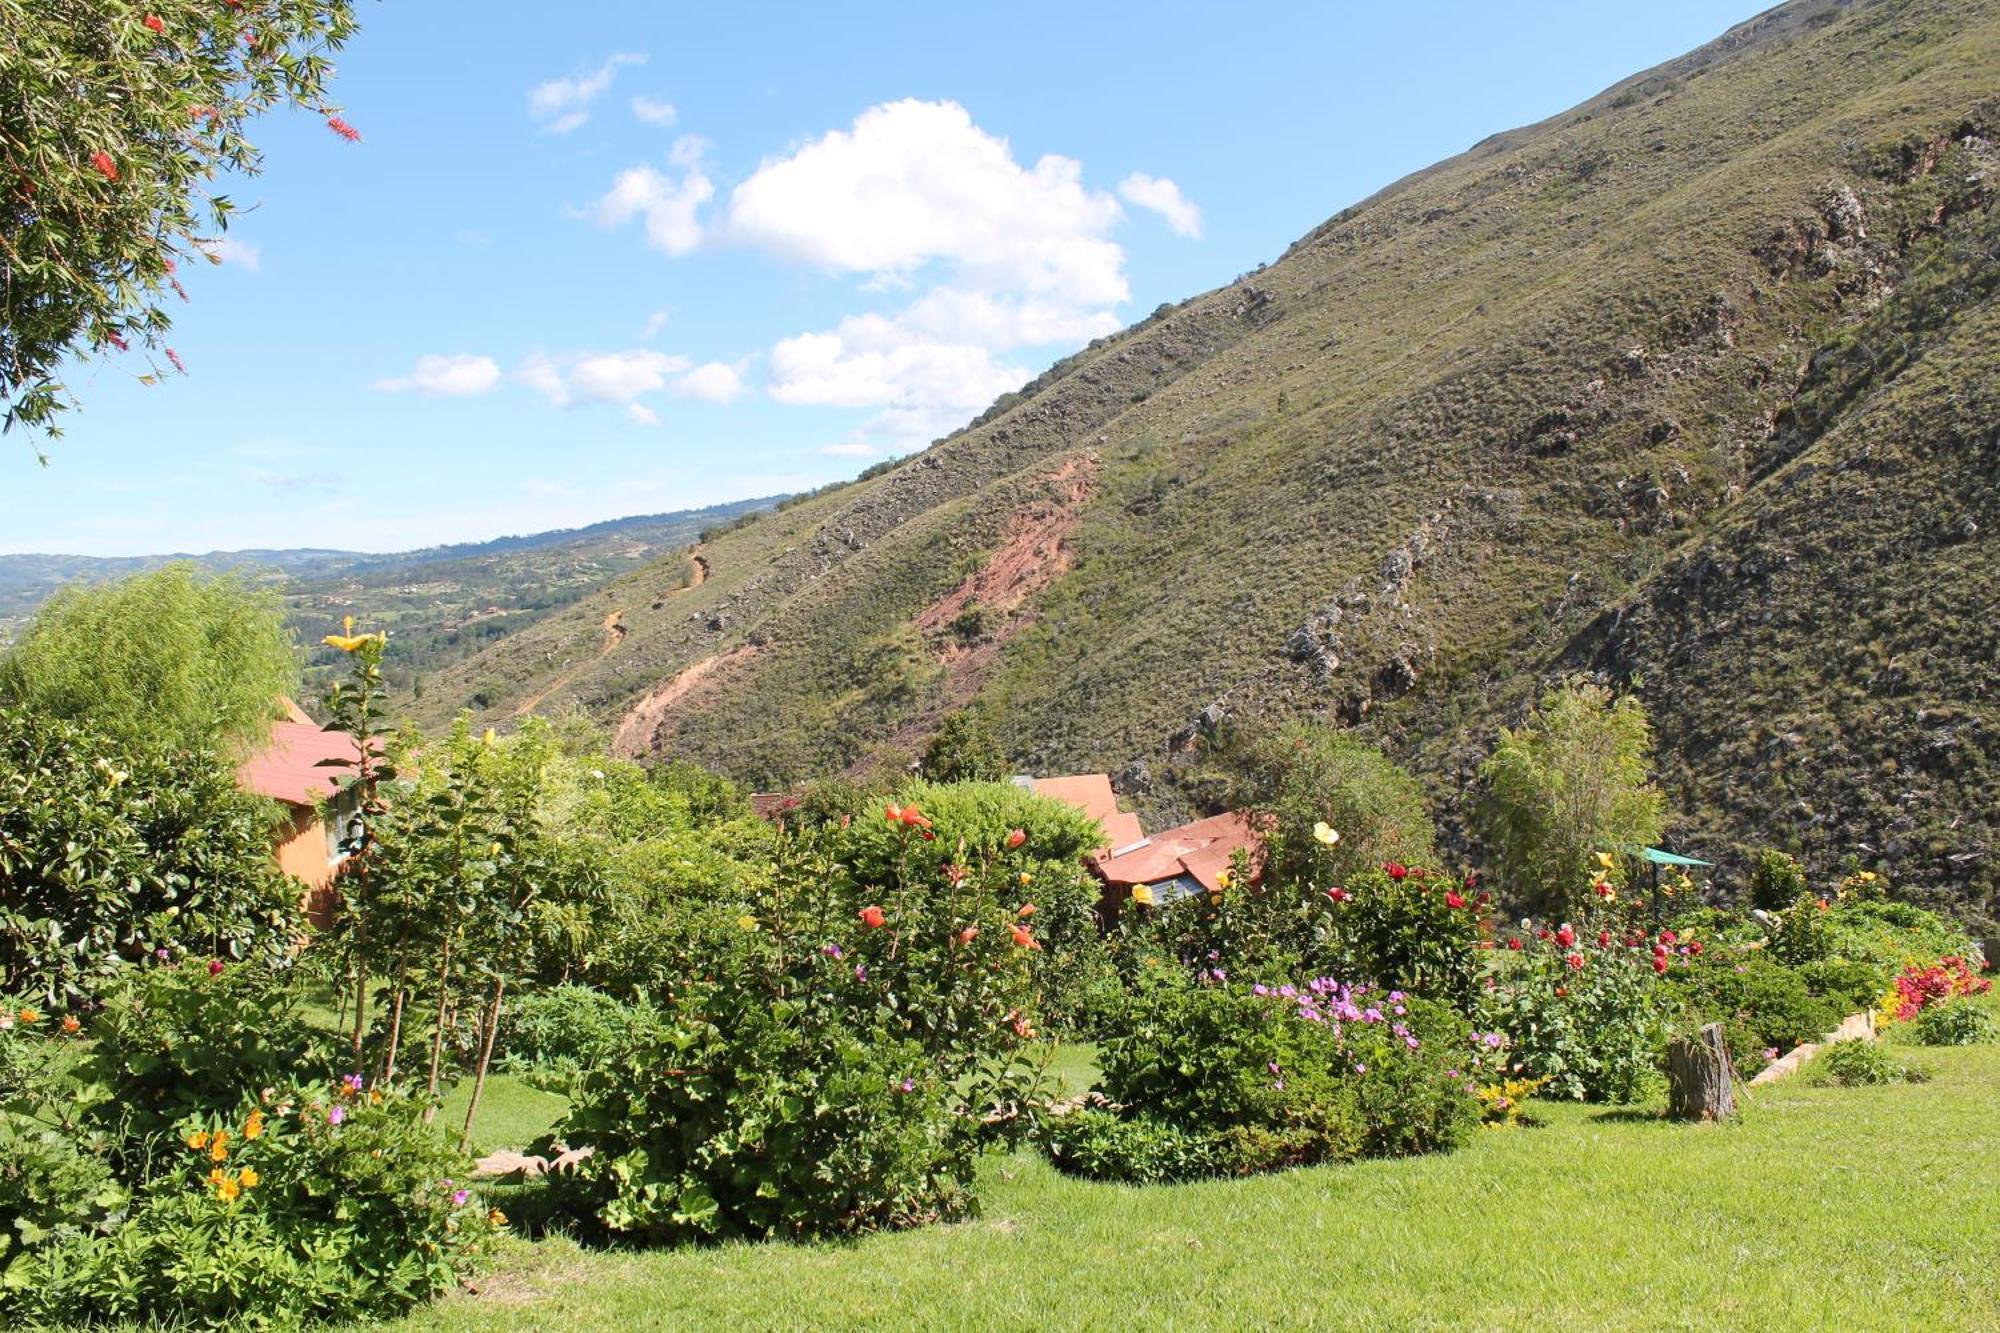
(872, 917)
(154, 22)
(1514, 943)
(1452, 899)
(1015, 837)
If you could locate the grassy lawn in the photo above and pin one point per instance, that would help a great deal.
(1820, 1207)
(511, 1114)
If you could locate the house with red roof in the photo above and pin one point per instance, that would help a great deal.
(1092, 794)
(1176, 862)
(290, 769)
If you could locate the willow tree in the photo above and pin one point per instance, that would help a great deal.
(1570, 783)
(116, 121)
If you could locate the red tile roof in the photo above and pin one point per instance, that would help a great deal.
(288, 768)
(1201, 849)
(1092, 794)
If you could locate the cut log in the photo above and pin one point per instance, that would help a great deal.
(1701, 1083)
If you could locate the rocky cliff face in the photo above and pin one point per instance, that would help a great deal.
(1684, 386)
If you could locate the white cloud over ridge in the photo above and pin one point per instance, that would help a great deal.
(623, 378)
(1162, 196)
(562, 105)
(457, 375)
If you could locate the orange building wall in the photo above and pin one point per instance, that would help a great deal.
(301, 849)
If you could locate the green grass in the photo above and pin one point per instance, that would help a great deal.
(1819, 1207)
(511, 1114)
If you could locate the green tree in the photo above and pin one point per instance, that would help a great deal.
(1308, 774)
(1568, 784)
(964, 751)
(114, 119)
(171, 655)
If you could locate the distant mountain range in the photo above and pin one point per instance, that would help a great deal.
(441, 602)
(1694, 386)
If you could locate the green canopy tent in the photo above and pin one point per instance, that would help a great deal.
(1655, 858)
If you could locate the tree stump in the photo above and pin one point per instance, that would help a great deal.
(1701, 1082)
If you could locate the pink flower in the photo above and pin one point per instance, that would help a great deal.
(343, 129)
(336, 1115)
(459, 1197)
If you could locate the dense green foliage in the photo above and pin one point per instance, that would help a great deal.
(116, 119)
(1955, 1023)
(1864, 1064)
(173, 655)
(111, 854)
(963, 751)
(1567, 786)
(1306, 775)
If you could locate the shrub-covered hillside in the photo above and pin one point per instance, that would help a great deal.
(1691, 384)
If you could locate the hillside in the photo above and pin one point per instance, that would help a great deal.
(1692, 385)
(442, 602)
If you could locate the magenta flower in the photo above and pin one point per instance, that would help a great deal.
(1360, 1068)
(861, 972)
(830, 950)
(459, 1197)
(336, 1115)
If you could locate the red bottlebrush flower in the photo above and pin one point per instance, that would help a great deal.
(1025, 911)
(1024, 940)
(1395, 870)
(1565, 935)
(343, 129)
(1659, 963)
(1575, 962)
(893, 813)
(105, 166)
(215, 967)
(1514, 943)
(175, 357)
(1015, 837)
(1338, 895)
(1452, 899)
(1604, 939)
(112, 337)
(872, 917)
(154, 22)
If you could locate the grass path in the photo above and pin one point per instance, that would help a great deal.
(1820, 1208)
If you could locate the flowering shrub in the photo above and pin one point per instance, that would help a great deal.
(1221, 1077)
(1776, 878)
(1401, 926)
(1580, 1007)
(1503, 1105)
(850, 1052)
(1916, 989)
(320, 1202)
(1954, 1023)
(1760, 1003)
(111, 854)
(1803, 934)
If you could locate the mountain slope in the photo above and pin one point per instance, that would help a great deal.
(1469, 433)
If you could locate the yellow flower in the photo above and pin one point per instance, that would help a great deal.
(1222, 879)
(253, 1127)
(198, 1139)
(1606, 860)
(1325, 833)
(214, 1177)
(249, 1178)
(496, 1217)
(1142, 894)
(747, 922)
(228, 1189)
(487, 739)
(218, 1148)
(374, 1096)
(30, 1016)
(1026, 878)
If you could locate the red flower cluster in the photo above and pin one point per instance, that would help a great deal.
(343, 129)
(1453, 899)
(105, 166)
(1395, 870)
(1918, 988)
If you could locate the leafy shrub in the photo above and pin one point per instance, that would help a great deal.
(310, 1203)
(1802, 933)
(1504, 1105)
(110, 854)
(1775, 880)
(1580, 1007)
(1918, 987)
(1235, 1078)
(1857, 1063)
(1405, 929)
(963, 750)
(1954, 1023)
(834, 1068)
(553, 1035)
(185, 1040)
(1886, 934)
(1848, 986)
(1568, 784)
(1761, 1004)
(1307, 775)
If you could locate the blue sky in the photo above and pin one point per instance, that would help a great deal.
(610, 258)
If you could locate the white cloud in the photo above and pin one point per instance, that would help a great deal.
(713, 383)
(850, 449)
(1164, 197)
(654, 111)
(654, 323)
(229, 250)
(624, 378)
(916, 182)
(456, 375)
(670, 207)
(923, 387)
(562, 105)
